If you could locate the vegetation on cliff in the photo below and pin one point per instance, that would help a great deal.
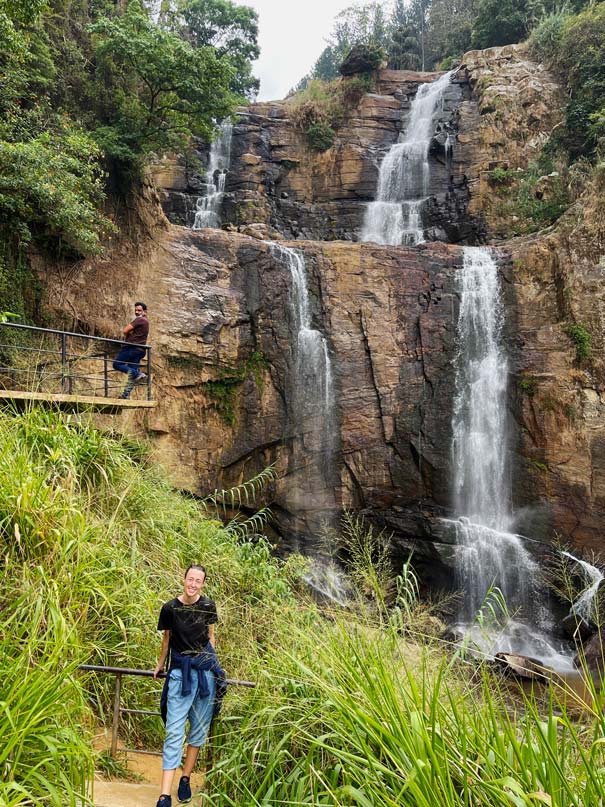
(351, 707)
(433, 34)
(90, 91)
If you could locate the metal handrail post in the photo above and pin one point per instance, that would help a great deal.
(63, 361)
(116, 714)
(105, 376)
(148, 373)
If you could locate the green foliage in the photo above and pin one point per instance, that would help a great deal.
(545, 38)
(222, 391)
(13, 15)
(92, 541)
(230, 29)
(580, 58)
(501, 176)
(44, 756)
(164, 90)
(581, 339)
(320, 136)
(350, 715)
(51, 185)
(319, 109)
(528, 385)
(499, 22)
(531, 199)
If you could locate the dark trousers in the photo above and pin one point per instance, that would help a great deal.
(128, 359)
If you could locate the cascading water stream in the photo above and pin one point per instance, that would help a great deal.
(312, 424)
(489, 556)
(208, 206)
(403, 181)
(584, 606)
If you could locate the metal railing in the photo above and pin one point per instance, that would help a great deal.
(47, 360)
(118, 709)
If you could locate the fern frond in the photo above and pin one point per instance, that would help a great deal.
(244, 494)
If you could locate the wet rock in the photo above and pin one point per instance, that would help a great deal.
(576, 627)
(592, 655)
(523, 666)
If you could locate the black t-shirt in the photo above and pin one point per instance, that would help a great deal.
(188, 624)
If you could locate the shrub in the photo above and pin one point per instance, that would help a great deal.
(581, 338)
(545, 39)
(320, 136)
(528, 385)
(320, 108)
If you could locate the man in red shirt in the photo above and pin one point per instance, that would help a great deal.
(130, 355)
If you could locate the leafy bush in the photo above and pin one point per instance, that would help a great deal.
(320, 136)
(319, 109)
(51, 186)
(575, 48)
(545, 39)
(581, 338)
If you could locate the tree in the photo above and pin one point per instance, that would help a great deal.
(499, 22)
(403, 49)
(159, 90)
(230, 29)
(450, 27)
(14, 14)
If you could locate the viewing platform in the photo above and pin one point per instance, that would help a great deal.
(67, 370)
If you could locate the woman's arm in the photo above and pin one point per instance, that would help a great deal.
(163, 654)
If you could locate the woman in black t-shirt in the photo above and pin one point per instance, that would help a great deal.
(188, 625)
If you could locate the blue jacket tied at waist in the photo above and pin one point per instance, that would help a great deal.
(206, 661)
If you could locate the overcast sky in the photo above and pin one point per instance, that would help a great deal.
(292, 34)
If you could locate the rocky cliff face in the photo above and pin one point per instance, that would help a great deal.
(221, 309)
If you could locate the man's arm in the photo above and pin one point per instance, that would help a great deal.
(211, 635)
(163, 654)
(126, 330)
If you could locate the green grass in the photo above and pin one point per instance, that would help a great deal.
(353, 707)
(92, 541)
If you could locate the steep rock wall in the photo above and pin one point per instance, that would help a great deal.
(222, 325)
(222, 334)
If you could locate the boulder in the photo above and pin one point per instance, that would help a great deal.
(361, 59)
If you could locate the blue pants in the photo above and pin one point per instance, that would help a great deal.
(128, 359)
(198, 710)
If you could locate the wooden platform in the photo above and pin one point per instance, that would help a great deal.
(75, 403)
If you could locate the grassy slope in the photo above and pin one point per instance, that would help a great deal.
(346, 712)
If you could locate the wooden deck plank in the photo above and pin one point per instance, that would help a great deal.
(75, 402)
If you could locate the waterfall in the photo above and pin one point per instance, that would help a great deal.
(208, 206)
(312, 414)
(403, 181)
(488, 554)
(584, 606)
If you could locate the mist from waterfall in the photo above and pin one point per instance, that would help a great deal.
(489, 555)
(208, 205)
(403, 181)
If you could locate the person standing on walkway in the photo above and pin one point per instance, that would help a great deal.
(130, 355)
(195, 682)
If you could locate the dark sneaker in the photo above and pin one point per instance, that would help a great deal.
(164, 801)
(184, 791)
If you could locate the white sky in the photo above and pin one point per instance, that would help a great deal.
(292, 34)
